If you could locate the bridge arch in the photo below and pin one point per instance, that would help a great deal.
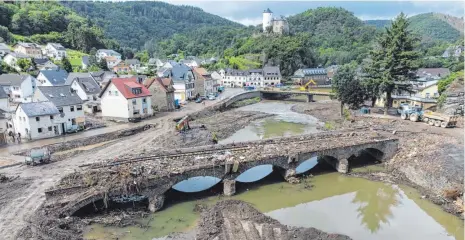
(367, 156)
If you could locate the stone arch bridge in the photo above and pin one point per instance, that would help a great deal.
(152, 176)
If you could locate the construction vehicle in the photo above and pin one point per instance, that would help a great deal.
(183, 124)
(38, 156)
(304, 87)
(439, 119)
(415, 114)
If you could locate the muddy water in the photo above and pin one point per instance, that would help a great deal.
(359, 208)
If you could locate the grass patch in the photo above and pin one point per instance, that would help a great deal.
(329, 126)
(75, 57)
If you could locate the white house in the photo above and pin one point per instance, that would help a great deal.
(4, 50)
(56, 77)
(271, 76)
(20, 86)
(84, 85)
(134, 64)
(125, 99)
(36, 120)
(155, 63)
(45, 64)
(169, 64)
(104, 53)
(55, 50)
(183, 82)
(12, 58)
(68, 103)
(29, 49)
(233, 77)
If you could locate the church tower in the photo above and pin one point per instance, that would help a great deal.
(267, 18)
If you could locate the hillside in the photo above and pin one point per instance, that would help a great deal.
(44, 22)
(430, 26)
(133, 24)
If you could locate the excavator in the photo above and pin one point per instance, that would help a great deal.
(304, 87)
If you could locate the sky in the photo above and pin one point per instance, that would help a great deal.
(250, 12)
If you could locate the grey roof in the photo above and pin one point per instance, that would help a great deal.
(28, 45)
(4, 47)
(40, 61)
(314, 71)
(271, 71)
(74, 75)
(235, 72)
(3, 93)
(132, 61)
(13, 79)
(267, 11)
(49, 64)
(433, 72)
(34, 109)
(180, 71)
(259, 71)
(102, 76)
(109, 52)
(88, 84)
(60, 95)
(85, 60)
(56, 77)
(57, 46)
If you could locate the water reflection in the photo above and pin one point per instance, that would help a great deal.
(196, 184)
(255, 173)
(375, 205)
(306, 165)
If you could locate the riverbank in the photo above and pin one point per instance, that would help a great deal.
(429, 159)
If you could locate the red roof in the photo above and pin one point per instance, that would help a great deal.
(125, 86)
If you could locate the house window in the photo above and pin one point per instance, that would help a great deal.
(133, 101)
(37, 119)
(73, 121)
(144, 100)
(49, 129)
(79, 107)
(39, 130)
(51, 117)
(135, 112)
(136, 90)
(71, 108)
(109, 93)
(116, 94)
(60, 110)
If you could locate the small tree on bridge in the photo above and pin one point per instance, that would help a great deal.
(347, 87)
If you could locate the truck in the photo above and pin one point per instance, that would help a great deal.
(415, 114)
(38, 156)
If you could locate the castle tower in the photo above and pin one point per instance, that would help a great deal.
(267, 18)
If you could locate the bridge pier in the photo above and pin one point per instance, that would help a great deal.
(342, 166)
(156, 202)
(309, 98)
(229, 187)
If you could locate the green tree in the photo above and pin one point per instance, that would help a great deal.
(102, 64)
(24, 63)
(394, 62)
(66, 65)
(348, 88)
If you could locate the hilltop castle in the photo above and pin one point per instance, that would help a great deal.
(279, 26)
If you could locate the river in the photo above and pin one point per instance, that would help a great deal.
(359, 208)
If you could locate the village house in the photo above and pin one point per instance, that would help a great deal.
(12, 58)
(204, 83)
(191, 63)
(169, 64)
(103, 77)
(125, 99)
(44, 64)
(84, 85)
(318, 75)
(4, 50)
(454, 51)
(121, 67)
(155, 63)
(112, 61)
(19, 87)
(134, 64)
(55, 77)
(36, 120)
(68, 103)
(254, 77)
(162, 91)
(104, 53)
(233, 77)
(183, 82)
(271, 76)
(55, 50)
(29, 49)
(85, 62)
(431, 74)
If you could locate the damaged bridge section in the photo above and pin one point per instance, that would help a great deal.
(152, 176)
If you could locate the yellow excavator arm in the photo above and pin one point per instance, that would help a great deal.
(304, 87)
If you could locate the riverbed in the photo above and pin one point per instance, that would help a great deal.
(334, 203)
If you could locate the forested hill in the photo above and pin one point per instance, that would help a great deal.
(430, 26)
(133, 24)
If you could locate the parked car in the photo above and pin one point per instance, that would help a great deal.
(211, 97)
(199, 100)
